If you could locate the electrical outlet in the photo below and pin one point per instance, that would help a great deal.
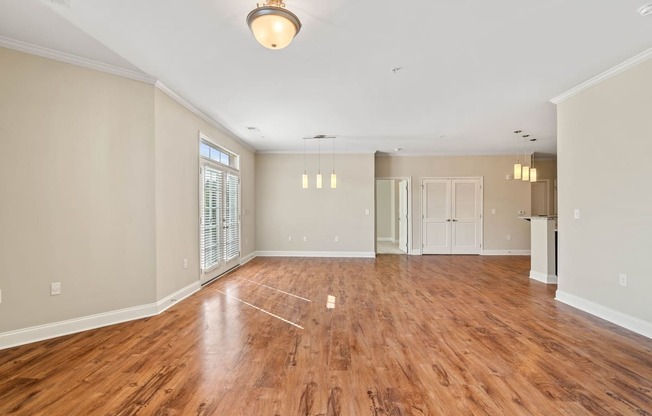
(290, 238)
(305, 238)
(509, 237)
(493, 210)
(521, 212)
(55, 289)
(622, 279)
(337, 238)
(0, 295)
(185, 263)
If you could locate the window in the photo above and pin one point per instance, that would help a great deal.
(209, 151)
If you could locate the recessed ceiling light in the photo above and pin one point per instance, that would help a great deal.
(645, 10)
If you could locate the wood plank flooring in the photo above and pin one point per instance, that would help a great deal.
(431, 335)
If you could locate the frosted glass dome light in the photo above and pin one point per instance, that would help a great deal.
(273, 25)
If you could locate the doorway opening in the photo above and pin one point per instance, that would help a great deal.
(393, 219)
(219, 205)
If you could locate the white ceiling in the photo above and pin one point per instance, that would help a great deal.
(472, 70)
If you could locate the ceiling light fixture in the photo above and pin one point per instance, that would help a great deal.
(304, 177)
(518, 168)
(319, 164)
(273, 25)
(333, 175)
(526, 169)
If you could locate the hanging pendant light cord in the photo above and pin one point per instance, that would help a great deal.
(333, 139)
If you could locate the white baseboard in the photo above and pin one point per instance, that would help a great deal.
(505, 252)
(385, 239)
(363, 254)
(177, 296)
(621, 319)
(246, 259)
(85, 323)
(549, 279)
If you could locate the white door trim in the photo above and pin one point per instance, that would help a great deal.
(409, 209)
(207, 276)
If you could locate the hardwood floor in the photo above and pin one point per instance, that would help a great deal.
(431, 335)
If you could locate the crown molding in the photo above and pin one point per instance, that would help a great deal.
(44, 52)
(199, 113)
(628, 64)
(48, 53)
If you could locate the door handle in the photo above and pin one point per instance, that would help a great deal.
(454, 220)
(448, 220)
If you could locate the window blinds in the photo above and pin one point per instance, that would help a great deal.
(231, 218)
(211, 247)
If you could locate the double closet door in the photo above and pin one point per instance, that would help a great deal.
(451, 215)
(220, 221)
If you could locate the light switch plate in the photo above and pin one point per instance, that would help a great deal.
(576, 213)
(55, 288)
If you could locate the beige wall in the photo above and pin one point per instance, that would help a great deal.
(76, 191)
(384, 204)
(604, 148)
(507, 197)
(99, 190)
(546, 169)
(177, 192)
(284, 209)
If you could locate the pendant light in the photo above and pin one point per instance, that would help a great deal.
(273, 25)
(533, 171)
(518, 168)
(319, 184)
(304, 177)
(333, 175)
(525, 176)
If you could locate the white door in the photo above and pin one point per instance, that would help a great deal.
(466, 216)
(220, 222)
(403, 216)
(436, 216)
(452, 216)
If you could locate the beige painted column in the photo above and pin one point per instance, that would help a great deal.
(543, 250)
